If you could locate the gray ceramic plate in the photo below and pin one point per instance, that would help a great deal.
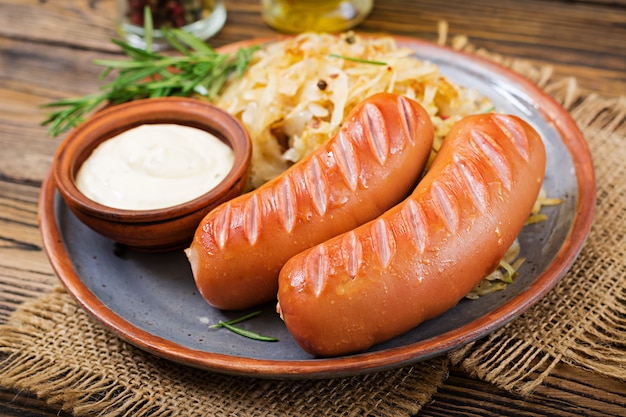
(151, 301)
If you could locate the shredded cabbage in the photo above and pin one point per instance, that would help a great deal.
(297, 91)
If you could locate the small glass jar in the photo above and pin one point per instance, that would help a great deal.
(203, 18)
(296, 16)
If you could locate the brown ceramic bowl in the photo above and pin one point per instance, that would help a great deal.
(156, 229)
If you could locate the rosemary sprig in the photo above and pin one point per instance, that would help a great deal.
(200, 70)
(361, 60)
(230, 325)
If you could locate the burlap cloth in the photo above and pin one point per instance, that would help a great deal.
(52, 348)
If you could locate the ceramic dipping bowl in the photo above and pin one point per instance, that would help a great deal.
(152, 230)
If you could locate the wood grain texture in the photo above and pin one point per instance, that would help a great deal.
(46, 53)
(569, 392)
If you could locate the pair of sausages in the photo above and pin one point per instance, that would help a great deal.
(371, 164)
(421, 257)
(358, 262)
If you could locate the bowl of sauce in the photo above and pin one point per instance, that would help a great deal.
(145, 173)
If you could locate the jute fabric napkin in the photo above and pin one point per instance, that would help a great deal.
(52, 348)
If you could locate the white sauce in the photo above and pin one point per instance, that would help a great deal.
(154, 166)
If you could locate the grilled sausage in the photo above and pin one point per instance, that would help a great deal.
(421, 257)
(372, 163)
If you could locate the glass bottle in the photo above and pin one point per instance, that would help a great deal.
(203, 18)
(295, 16)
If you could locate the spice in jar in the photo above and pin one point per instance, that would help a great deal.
(202, 18)
(168, 13)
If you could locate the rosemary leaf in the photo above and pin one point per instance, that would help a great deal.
(148, 27)
(175, 42)
(146, 74)
(192, 41)
(360, 60)
(244, 55)
(230, 325)
(105, 73)
(249, 334)
(133, 52)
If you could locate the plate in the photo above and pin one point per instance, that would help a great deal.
(150, 300)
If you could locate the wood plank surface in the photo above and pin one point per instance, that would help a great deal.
(46, 53)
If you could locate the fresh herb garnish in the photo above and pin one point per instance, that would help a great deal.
(230, 325)
(147, 74)
(362, 61)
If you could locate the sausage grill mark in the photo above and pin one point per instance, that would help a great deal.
(383, 242)
(494, 156)
(473, 180)
(407, 118)
(446, 206)
(346, 160)
(415, 221)
(375, 133)
(318, 269)
(222, 226)
(286, 203)
(515, 133)
(352, 252)
(318, 187)
(252, 219)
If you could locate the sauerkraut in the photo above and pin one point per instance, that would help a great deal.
(297, 91)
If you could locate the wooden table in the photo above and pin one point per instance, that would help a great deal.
(46, 49)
